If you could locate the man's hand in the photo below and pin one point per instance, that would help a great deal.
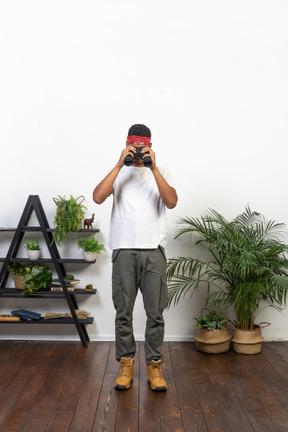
(149, 152)
(128, 150)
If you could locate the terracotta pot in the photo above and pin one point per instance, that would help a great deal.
(212, 341)
(247, 341)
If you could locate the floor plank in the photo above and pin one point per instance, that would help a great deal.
(128, 402)
(212, 411)
(66, 404)
(251, 398)
(219, 367)
(89, 398)
(11, 361)
(149, 416)
(192, 415)
(106, 413)
(33, 376)
(61, 386)
(63, 358)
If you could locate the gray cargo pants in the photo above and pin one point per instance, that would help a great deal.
(144, 269)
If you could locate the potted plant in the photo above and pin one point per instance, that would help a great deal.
(17, 271)
(91, 247)
(89, 288)
(69, 214)
(34, 277)
(247, 268)
(33, 249)
(212, 335)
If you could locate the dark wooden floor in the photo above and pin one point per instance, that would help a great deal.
(48, 386)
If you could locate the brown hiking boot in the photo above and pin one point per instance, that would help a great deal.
(125, 376)
(154, 376)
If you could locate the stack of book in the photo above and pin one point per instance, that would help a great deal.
(26, 315)
(9, 317)
(70, 284)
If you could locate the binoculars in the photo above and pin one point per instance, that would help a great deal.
(147, 161)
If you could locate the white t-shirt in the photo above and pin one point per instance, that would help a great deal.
(138, 219)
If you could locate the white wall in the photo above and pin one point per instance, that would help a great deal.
(208, 77)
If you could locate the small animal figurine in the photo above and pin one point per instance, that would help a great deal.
(88, 222)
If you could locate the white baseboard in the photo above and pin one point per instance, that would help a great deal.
(109, 338)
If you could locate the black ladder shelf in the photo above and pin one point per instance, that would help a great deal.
(34, 204)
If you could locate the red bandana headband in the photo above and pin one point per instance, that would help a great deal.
(138, 140)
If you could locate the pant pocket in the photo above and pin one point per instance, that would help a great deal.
(162, 250)
(117, 292)
(115, 253)
(164, 294)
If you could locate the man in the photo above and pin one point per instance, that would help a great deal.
(138, 235)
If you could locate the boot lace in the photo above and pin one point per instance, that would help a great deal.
(156, 372)
(124, 370)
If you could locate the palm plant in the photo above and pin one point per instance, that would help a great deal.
(248, 266)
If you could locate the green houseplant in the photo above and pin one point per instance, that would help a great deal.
(69, 214)
(247, 268)
(32, 245)
(212, 320)
(212, 335)
(91, 247)
(33, 249)
(34, 277)
(17, 271)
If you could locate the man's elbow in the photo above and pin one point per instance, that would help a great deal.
(171, 205)
(172, 202)
(97, 201)
(97, 198)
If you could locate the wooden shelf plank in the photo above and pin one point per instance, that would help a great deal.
(42, 320)
(50, 260)
(81, 230)
(38, 229)
(13, 292)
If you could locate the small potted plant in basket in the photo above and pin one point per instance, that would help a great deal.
(91, 247)
(30, 278)
(17, 270)
(212, 335)
(33, 249)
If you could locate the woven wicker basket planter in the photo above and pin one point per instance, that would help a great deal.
(19, 282)
(212, 341)
(247, 341)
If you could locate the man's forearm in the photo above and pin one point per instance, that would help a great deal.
(167, 193)
(105, 188)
